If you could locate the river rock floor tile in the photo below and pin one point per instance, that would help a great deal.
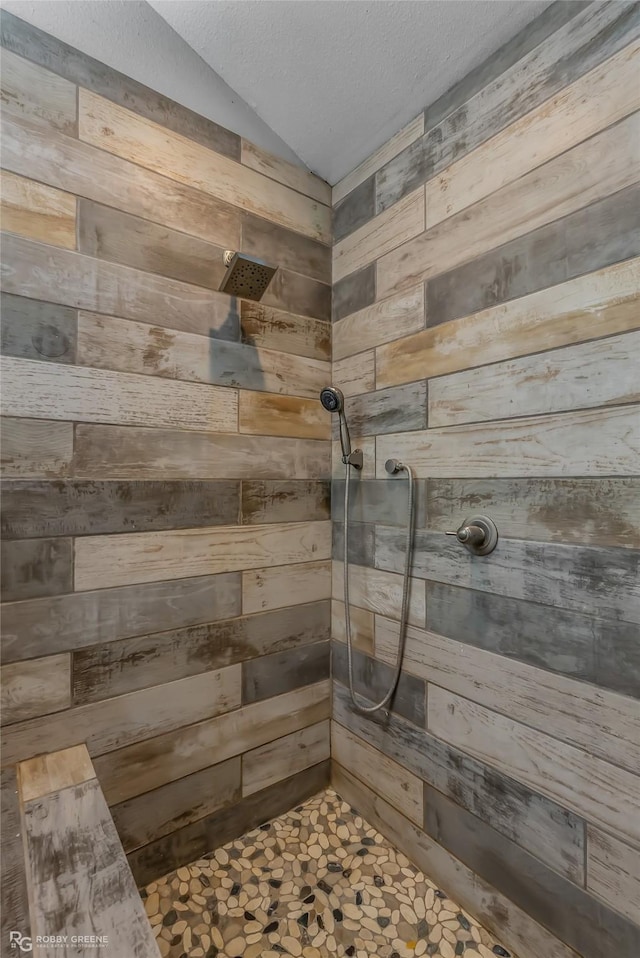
(318, 882)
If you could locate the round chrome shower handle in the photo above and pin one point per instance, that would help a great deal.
(479, 535)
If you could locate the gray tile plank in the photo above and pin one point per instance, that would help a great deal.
(581, 511)
(287, 500)
(150, 816)
(584, 42)
(270, 675)
(33, 568)
(119, 237)
(527, 818)
(295, 293)
(199, 838)
(361, 542)
(595, 581)
(599, 235)
(355, 209)
(286, 249)
(15, 902)
(396, 409)
(382, 501)
(28, 41)
(568, 911)
(536, 32)
(35, 330)
(75, 507)
(102, 671)
(63, 623)
(354, 292)
(371, 680)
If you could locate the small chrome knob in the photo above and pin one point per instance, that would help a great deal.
(479, 535)
(393, 466)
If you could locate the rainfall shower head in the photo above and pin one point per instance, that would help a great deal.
(246, 276)
(332, 399)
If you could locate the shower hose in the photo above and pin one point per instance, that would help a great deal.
(404, 611)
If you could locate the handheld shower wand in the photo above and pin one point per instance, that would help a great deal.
(333, 401)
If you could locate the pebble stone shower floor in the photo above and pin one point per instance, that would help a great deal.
(317, 882)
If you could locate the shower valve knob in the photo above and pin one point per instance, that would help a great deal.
(478, 535)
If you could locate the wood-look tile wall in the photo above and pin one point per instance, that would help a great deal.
(165, 511)
(486, 331)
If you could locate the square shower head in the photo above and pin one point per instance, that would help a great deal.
(246, 276)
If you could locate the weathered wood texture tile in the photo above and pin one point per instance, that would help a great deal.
(401, 408)
(286, 671)
(117, 130)
(36, 448)
(379, 591)
(270, 588)
(104, 561)
(38, 627)
(36, 567)
(379, 323)
(382, 501)
(527, 818)
(117, 452)
(566, 910)
(44, 774)
(361, 543)
(297, 177)
(390, 780)
(74, 507)
(68, 164)
(38, 211)
(268, 414)
(36, 330)
(354, 292)
(147, 765)
(293, 500)
(15, 901)
(32, 44)
(92, 887)
(355, 374)
(356, 209)
(603, 793)
(147, 817)
(288, 250)
(613, 872)
(35, 687)
(108, 342)
(34, 94)
(496, 912)
(191, 842)
(100, 672)
(287, 756)
(362, 626)
(117, 722)
(295, 293)
(372, 677)
(274, 329)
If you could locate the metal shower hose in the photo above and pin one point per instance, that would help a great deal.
(404, 612)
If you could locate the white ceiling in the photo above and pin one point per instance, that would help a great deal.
(335, 79)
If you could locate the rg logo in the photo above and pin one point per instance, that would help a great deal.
(18, 940)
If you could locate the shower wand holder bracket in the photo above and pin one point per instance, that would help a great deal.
(355, 459)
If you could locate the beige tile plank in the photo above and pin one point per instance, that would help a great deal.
(35, 687)
(275, 588)
(286, 756)
(37, 211)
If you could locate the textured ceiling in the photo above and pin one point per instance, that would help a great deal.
(336, 78)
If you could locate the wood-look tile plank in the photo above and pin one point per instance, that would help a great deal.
(295, 293)
(120, 452)
(284, 757)
(362, 626)
(603, 793)
(45, 272)
(391, 319)
(367, 445)
(75, 507)
(600, 442)
(265, 500)
(379, 591)
(107, 342)
(588, 172)
(106, 561)
(35, 94)
(38, 211)
(145, 818)
(274, 588)
(103, 671)
(35, 687)
(601, 722)
(169, 756)
(37, 448)
(36, 567)
(281, 672)
(119, 131)
(74, 166)
(393, 782)
(15, 903)
(65, 623)
(286, 249)
(371, 680)
(35, 330)
(274, 329)
(126, 719)
(34, 390)
(613, 872)
(601, 304)
(268, 414)
(355, 374)
(399, 408)
(595, 374)
(296, 177)
(354, 210)
(354, 292)
(44, 774)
